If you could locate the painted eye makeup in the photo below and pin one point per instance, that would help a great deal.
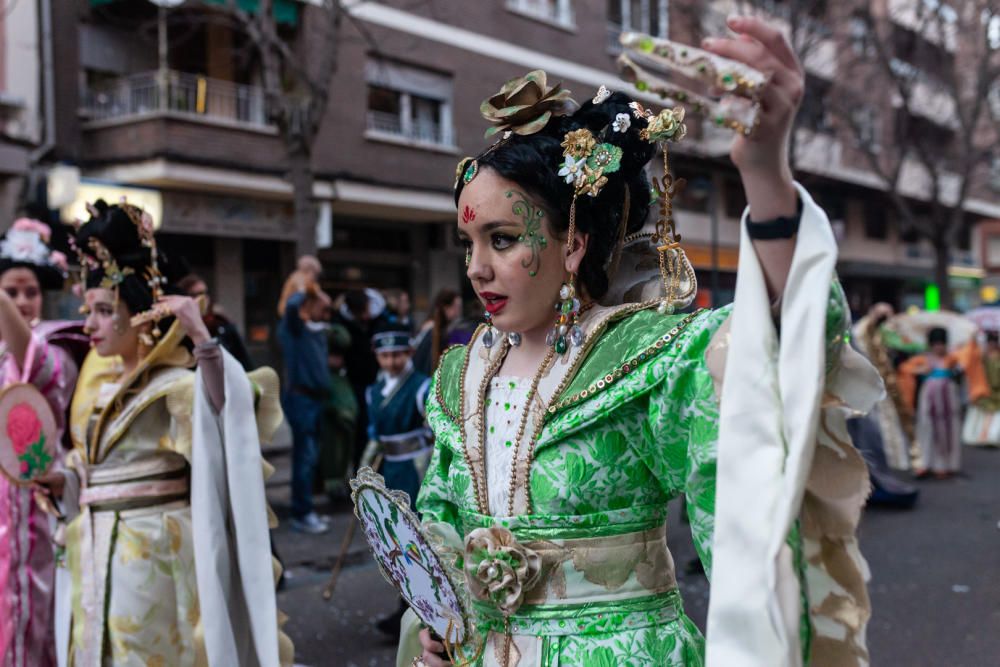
(501, 241)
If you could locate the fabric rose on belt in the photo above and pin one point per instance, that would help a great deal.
(524, 105)
(498, 569)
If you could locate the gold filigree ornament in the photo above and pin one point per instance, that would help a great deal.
(680, 284)
(725, 91)
(526, 104)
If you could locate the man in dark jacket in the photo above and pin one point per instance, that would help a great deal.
(302, 334)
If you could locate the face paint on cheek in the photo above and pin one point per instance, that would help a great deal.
(532, 235)
(468, 215)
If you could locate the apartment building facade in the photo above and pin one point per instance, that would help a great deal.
(186, 134)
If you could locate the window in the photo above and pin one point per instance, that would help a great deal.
(814, 114)
(648, 16)
(995, 172)
(876, 220)
(409, 104)
(559, 12)
(860, 37)
(865, 125)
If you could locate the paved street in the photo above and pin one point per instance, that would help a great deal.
(935, 578)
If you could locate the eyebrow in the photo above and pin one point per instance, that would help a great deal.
(493, 224)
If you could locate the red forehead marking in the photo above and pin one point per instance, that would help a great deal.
(468, 215)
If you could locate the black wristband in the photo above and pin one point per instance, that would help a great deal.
(784, 227)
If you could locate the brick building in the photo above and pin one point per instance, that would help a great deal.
(189, 134)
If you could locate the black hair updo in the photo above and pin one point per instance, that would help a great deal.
(116, 230)
(533, 161)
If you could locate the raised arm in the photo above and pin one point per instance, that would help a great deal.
(762, 158)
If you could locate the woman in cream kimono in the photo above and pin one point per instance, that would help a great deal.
(560, 436)
(167, 535)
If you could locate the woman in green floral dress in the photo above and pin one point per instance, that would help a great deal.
(562, 434)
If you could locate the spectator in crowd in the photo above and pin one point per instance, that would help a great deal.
(307, 271)
(398, 309)
(303, 337)
(218, 325)
(399, 442)
(433, 337)
(356, 314)
(340, 417)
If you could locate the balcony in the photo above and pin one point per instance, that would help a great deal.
(180, 117)
(177, 93)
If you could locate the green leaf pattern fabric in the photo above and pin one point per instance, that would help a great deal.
(640, 442)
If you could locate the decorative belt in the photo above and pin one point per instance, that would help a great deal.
(140, 484)
(569, 586)
(133, 495)
(404, 446)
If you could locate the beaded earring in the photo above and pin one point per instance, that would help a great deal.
(491, 334)
(567, 329)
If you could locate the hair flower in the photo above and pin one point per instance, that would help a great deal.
(524, 105)
(572, 168)
(578, 143)
(668, 125)
(622, 123)
(606, 157)
(499, 569)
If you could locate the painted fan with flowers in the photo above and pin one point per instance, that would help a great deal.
(28, 434)
(405, 556)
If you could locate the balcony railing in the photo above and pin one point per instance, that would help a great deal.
(175, 92)
(392, 124)
(559, 12)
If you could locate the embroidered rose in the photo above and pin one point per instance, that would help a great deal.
(578, 143)
(498, 569)
(524, 105)
(602, 94)
(23, 427)
(668, 125)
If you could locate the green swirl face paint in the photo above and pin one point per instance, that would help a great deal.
(531, 235)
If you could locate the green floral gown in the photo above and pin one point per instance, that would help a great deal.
(621, 426)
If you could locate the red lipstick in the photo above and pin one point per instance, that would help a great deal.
(494, 302)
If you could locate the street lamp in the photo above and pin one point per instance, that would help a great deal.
(703, 188)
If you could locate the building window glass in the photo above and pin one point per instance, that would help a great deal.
(409, 103)
(860, 37)
(814, 114)
(865, 122)
(876, 221)
(648, 16)
(559, 12)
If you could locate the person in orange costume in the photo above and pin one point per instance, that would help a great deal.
(937, 407)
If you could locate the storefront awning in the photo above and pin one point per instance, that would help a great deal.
(285, 11)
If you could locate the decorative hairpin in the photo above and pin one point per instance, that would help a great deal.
(523, 106)
(602, 94)
(663, 128)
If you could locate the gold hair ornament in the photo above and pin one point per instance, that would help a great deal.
(664, 128)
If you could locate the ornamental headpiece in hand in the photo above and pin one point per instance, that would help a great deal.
(724, 90)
